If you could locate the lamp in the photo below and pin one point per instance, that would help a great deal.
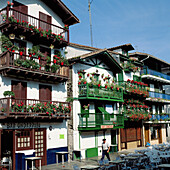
(12, 36)
(50, 128)
(22, 37)
(51, 46)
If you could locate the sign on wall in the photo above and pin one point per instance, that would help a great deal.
(21, 125)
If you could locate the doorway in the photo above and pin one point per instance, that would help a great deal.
(7, 144)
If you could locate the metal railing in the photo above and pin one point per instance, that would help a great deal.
(155, 73)
(160, 117)
(10, 107)
(87, 91)
(100, 120)
(159, 95)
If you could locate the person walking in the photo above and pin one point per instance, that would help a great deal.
(105, 150)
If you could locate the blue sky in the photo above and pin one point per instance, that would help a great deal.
(143, 23)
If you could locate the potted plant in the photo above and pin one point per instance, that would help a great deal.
(21, 50)
(9, 93)
(54, 68)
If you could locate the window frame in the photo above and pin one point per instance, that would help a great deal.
(31, 139)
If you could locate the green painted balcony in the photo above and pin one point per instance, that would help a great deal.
(134, 88)
(98, 121)
(100, 93)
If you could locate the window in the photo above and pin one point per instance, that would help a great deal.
(46, 25)
(154, 132)
(45, 92)
(24, 139)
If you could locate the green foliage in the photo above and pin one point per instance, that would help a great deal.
(6, 43)
(9, 93)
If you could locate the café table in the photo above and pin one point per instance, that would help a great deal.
(62, 155)
(164, 166)
(117, 162)
(33, 159)
(90, 167)
(131, 158)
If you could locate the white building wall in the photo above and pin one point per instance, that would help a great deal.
(58, 90)
(74, 52)
(88, 140)
(34, 6)
(54, 139)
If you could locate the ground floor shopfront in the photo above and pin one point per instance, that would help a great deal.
(89, 143)
(154, 133)
(131, 135)
(20, 140)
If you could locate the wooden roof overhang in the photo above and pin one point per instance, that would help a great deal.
(62, 11)
(25, 74)
(103, 55)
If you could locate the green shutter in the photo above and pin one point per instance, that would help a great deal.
(120, 77)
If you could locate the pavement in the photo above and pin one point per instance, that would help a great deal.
(85, 162)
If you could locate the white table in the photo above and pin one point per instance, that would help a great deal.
(166, 166)
(90, 167)
(32, 159)
(118, 163)
(62, 154)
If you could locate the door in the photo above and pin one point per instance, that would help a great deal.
(46, 25)
(113, 140)
(40, 145)
(45, 92)
(160, 134)
(21, 8)
(20, 90)
(146, 134)
(46, 52)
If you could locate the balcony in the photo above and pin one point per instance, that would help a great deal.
(165, 117)
(159, 96)
(100, 93)
(31, 108)
(137, 113)
(134, 88)
(155, 75)
(98, 121)
(34, 29)
(14, 65)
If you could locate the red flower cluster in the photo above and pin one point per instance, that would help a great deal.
(136, 82)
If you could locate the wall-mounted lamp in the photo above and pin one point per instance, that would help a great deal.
(50, 128)
(52, 46)
(22, 37)
(12, 36)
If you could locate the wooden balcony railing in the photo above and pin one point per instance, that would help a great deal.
(100, 93)
(33, 24)
(31, 65)
(91, 121)
(33, 108)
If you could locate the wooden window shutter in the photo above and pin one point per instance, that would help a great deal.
(138, 133)
(123, 135)
(21, 8)
(45, 25)
(45, 92)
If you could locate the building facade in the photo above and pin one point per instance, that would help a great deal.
(33, 80)
(96, 99)
(155, 74)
